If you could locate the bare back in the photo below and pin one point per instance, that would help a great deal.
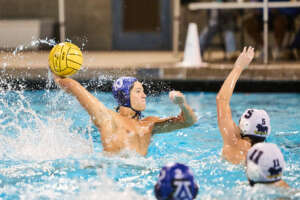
(234, 147)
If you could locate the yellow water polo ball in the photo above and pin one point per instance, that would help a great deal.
(65, 59)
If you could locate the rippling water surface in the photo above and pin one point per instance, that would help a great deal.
(49, 149)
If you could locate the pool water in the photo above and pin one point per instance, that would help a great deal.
(49, 149)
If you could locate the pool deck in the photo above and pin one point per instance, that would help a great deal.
(149, 65)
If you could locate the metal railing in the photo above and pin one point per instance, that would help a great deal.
(61, 20)
(265, 5)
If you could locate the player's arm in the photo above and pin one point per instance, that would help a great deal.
(229, 130)
(185, 119)
(98, 112)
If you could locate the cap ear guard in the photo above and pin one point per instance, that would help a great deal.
(253, 171)
(121, 97)
(163, 187)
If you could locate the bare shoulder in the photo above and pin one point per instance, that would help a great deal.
(153, 119)
(236, 154)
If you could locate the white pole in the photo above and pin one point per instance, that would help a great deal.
(176, 18)
(61, 20)
(265, 20)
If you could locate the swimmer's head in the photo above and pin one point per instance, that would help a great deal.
(121, 90)
(255, 124)
(264, 164)
(129, 92)
(176, 182)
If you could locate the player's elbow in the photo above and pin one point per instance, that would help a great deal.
(190, 122)
(221, 98)
(194, 120)
(218, 97)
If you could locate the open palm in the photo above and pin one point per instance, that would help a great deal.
(245, 57)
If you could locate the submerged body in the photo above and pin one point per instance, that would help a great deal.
(124, 133)
(63, 134)
(237, 152)
(123, 129)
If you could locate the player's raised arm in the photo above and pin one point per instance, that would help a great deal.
(228, 128)
(64, 60)
(98, 112)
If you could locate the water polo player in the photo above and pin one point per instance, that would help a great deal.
(124, 129)
(176, 182)
(254, 125)
(265, 165)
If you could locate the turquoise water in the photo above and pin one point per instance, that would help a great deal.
(49, 149)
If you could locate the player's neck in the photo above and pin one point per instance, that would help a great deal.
(128, 112)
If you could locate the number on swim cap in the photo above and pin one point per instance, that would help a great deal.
(119, 84)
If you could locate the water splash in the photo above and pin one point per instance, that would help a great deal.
(106, 189)
(28, 135)
(44, 157)
(33, 44)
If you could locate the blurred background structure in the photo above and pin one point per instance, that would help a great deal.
(120, 24)
(102, 25)
(150, 36)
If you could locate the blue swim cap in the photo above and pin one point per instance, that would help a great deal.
(176, 182)
(121, 90)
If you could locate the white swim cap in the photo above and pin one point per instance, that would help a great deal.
(265, 163)
(255, 123)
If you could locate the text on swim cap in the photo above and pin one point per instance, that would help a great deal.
(248, 114)
(118, 84)
(254, 157)
(182, 189)
(261, 129)
(276, 170)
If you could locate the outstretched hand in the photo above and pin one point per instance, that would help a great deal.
(56, 78)
(245, 57)
(177, 97)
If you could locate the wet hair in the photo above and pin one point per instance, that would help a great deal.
(254, 139)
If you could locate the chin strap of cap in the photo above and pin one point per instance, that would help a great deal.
(137, 114)
(252, 183)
